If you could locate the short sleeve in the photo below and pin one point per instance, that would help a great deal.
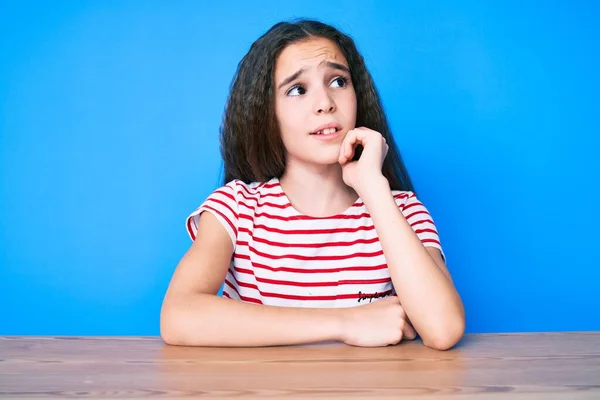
(222, 204)
(420, 220)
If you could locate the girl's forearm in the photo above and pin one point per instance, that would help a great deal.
(426, 293)
(209, 320)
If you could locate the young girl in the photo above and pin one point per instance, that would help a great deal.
(316, 232)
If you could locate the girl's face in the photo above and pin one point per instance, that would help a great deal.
(315, 102)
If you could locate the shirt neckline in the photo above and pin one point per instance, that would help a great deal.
(297, 213)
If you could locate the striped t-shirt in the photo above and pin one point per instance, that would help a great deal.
(284, 258)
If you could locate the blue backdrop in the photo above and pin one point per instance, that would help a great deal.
(109, 114)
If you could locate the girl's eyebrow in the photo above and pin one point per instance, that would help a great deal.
(296, 74)
(291, 78)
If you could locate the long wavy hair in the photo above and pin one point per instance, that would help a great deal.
(251, 144)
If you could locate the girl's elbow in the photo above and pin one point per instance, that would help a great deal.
(447, 336)
(171, 330)
(168, 334)
(169, 338)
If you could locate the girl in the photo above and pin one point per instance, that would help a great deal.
(316, 232)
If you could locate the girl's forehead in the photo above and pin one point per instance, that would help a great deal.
(307, 54)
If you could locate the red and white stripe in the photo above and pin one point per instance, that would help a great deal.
(284, 258)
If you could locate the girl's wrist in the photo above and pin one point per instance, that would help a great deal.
(373, 187)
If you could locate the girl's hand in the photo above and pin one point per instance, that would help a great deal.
(368, 168)
(381, 323)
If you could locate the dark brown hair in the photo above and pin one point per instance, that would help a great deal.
(251, 144)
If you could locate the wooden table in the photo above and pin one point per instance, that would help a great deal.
(508, 366)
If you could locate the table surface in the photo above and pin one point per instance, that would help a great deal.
(486, 366)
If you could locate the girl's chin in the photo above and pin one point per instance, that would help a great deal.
(318, 157)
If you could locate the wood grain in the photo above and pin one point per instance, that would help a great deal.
(491, 366)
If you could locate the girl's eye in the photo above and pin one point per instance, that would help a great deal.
(299, 90)
(296, 91)
(341, 81)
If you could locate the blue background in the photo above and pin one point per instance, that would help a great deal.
(109, 117)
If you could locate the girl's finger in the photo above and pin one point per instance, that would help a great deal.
(408, 332)
(353, 138)
(341, 156)
(346, 149)
(358, 137)
(348, 144)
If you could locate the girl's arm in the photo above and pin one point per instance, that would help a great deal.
(419, 274)
(193, 315)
